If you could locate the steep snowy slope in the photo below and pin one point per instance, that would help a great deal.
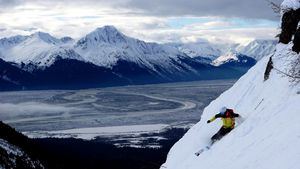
(268, 137)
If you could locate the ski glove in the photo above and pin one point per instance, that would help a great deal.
(208, 121)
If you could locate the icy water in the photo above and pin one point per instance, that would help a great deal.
(174, 104)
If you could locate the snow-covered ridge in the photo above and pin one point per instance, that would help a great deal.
(199, 49)
(258, 49)
(268, 136)
(40, 49)
(11, 41)
(290, 4)
(225, 59)
(106, 46)
(103, 47)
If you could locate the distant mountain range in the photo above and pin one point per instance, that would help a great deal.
(255, 49)
(107, 57)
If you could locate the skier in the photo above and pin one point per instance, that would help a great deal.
(228, 118)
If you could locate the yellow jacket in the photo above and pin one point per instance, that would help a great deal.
(228, 118)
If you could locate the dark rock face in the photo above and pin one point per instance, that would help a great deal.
(296, 41)
(289, 26)
(268, 69)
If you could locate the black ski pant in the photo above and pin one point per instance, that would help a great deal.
(222, 132)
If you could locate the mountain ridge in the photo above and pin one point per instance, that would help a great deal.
(102, 53)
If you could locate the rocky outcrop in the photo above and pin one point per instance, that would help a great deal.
(296, 41)
(289, 28)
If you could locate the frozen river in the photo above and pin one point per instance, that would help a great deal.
(164, 104)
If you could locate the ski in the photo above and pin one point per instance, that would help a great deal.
(202, 150)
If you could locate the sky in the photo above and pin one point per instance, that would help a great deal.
(162, 21)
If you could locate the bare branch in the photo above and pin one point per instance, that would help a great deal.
(276, 7)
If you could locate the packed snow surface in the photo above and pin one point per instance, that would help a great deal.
(269, 136)
(290, 4)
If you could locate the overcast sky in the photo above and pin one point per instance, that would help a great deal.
(151, 20)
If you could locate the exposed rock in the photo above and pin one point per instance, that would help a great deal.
(289, 25)
(296, 41)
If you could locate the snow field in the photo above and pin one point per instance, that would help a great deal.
(268, 138)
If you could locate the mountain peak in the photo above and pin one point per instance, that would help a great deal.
(46, 37)
(106, 34)
(108, 28)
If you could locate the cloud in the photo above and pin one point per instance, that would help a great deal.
(7, 4)
(236, 35)
(224, 8)
(156, 20)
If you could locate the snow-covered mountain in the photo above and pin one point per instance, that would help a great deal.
(106, 57)
(103, 47)
(228, 57)
(40, 49)
(266, 135)
(11, 41)
(202, 49)
(257, 49)
(246, 54)
(106, 46)
(233, 58)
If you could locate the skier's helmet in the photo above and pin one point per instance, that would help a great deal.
(223, 110)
